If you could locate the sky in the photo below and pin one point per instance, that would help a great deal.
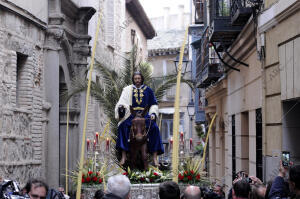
(154, 8)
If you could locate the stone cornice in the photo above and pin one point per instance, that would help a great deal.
(217, 90)
(167, 51)
(23, 13)
(277, 13)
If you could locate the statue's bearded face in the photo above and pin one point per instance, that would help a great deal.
(137, 80)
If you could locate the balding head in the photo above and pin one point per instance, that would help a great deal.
(192, 192)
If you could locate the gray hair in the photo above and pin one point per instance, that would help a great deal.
(119, 185)
(192, 192)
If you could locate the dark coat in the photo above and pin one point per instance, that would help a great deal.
(111, 196)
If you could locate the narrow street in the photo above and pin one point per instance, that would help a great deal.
(149, 99)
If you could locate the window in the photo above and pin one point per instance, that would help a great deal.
(233, 146)
(259, 156)
(21, 79)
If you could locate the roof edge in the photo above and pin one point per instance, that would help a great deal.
(138, 13)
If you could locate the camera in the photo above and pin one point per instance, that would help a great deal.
(249, 180)
(10, 190)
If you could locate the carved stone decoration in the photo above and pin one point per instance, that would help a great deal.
(20, 173)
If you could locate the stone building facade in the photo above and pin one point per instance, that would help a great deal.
(257, 107)
(42, 48)
(279, 34)
(23, 108)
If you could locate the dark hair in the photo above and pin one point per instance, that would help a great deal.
(269, 185)
(295, 176)
(98, 194)
(37, 183)
(169, 190)
(241, 174)
(137, 73)
(242, 188)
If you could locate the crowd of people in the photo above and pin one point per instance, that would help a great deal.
(285, 185)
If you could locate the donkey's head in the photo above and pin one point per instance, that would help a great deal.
(138, 126)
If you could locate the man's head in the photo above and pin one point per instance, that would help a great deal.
(258, 191)
(119, 185)
(294, 179)
(169, 190)
(36, 189)
(218, 190)
(61, 189)
(192, 192)
(241, 188)
(137, 79)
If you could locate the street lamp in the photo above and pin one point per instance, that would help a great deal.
(191, 108)
(185, 62)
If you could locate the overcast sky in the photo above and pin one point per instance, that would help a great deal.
(154, 8)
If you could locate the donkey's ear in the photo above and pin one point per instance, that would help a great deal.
(132, 111)
(145, 111)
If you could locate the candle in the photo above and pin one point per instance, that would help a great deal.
(107, 144)
(191, 144)
(87, 144)
(181, 136)
(97, 137)
(94, 147)
(171, 143)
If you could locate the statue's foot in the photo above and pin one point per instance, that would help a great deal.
(156, 164)
(122, 162)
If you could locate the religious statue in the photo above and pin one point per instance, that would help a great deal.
(134, 100)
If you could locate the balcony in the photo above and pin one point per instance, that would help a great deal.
(220, 22)
(241, 11)
(208, 65)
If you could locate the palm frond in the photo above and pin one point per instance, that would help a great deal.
(78, 85)
(161, 89)
(146, 69)
(108, 76)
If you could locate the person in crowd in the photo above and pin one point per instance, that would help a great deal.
(118, 187)
(192, 192)
(99, 194)
(169, 190)
(218, 189)
(241, 189)
(278, 188)
(238, 175)
(268, 188)
(36, 189)
(258, 191)
(62, 191)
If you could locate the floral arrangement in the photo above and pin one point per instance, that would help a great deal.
(189, 177)
(91, 177)
(153, 175)
(191, 172)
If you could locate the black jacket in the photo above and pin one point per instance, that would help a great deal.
(111, 196)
